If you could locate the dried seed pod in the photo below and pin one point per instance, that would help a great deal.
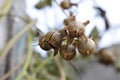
(52, 40)
(86, 46)
(63, 33)
(44, 45)
(76, 28)
(106, 56)
(67, 52)
(66, 4)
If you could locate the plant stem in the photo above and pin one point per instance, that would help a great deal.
(13, 40)
(28, 59)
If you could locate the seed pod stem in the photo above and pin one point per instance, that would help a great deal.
(56, 51)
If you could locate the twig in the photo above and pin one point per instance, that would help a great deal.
(44, 63)
(62, 72)
(61, 8)
(27, 19)
(28, 59)
(12, 70)
(11, 42)
(5, 8)
(103, 15)
(75, 69)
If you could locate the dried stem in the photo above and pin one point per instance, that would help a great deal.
(75, 69)
(62, 72)
(41, 66)
(12, 70)
(28, 59)
(103, 15)
(27, 19)
(61, 8)
(12, 41)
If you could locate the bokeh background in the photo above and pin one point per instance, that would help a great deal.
(22, 59)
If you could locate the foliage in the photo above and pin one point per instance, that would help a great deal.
(4, 9)
(43, 3)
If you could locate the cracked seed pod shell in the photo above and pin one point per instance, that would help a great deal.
(67, 52)
(63, 33)
(48, 35)
(44, 45)
(76, 28)
(54, 39)
(86, 48)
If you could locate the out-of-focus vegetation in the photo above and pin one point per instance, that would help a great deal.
(5, 8)
(33, 66)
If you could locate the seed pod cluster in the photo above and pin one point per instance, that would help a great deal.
(73, 34)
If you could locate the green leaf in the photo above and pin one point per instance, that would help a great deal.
(43, 3)
(5, 8)
(94, 33)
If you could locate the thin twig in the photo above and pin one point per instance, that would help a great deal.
(61, 8)
(41, 66)
(28, 59)
(75, 69)
(103, 15)
(12, 70)
(27, 19)
(62, 72)
(12, 41)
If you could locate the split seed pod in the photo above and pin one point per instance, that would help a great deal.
(67, 52)
(52, 40)
(86, 46)
(44, 45)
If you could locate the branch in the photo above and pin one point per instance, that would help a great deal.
(4, 77)
(75, 69)
(13, 40)
(28, 59)
(41, 66)
(5, 8)
(61, 8)
(62, 72)
(103, 15)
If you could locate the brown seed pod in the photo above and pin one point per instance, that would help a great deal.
(55, 40)
(52, 40)
(86, 46)
(67, 52)
(66, 4)
(63, 33)
(44, 45)
(106, 56)
(76, 28)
